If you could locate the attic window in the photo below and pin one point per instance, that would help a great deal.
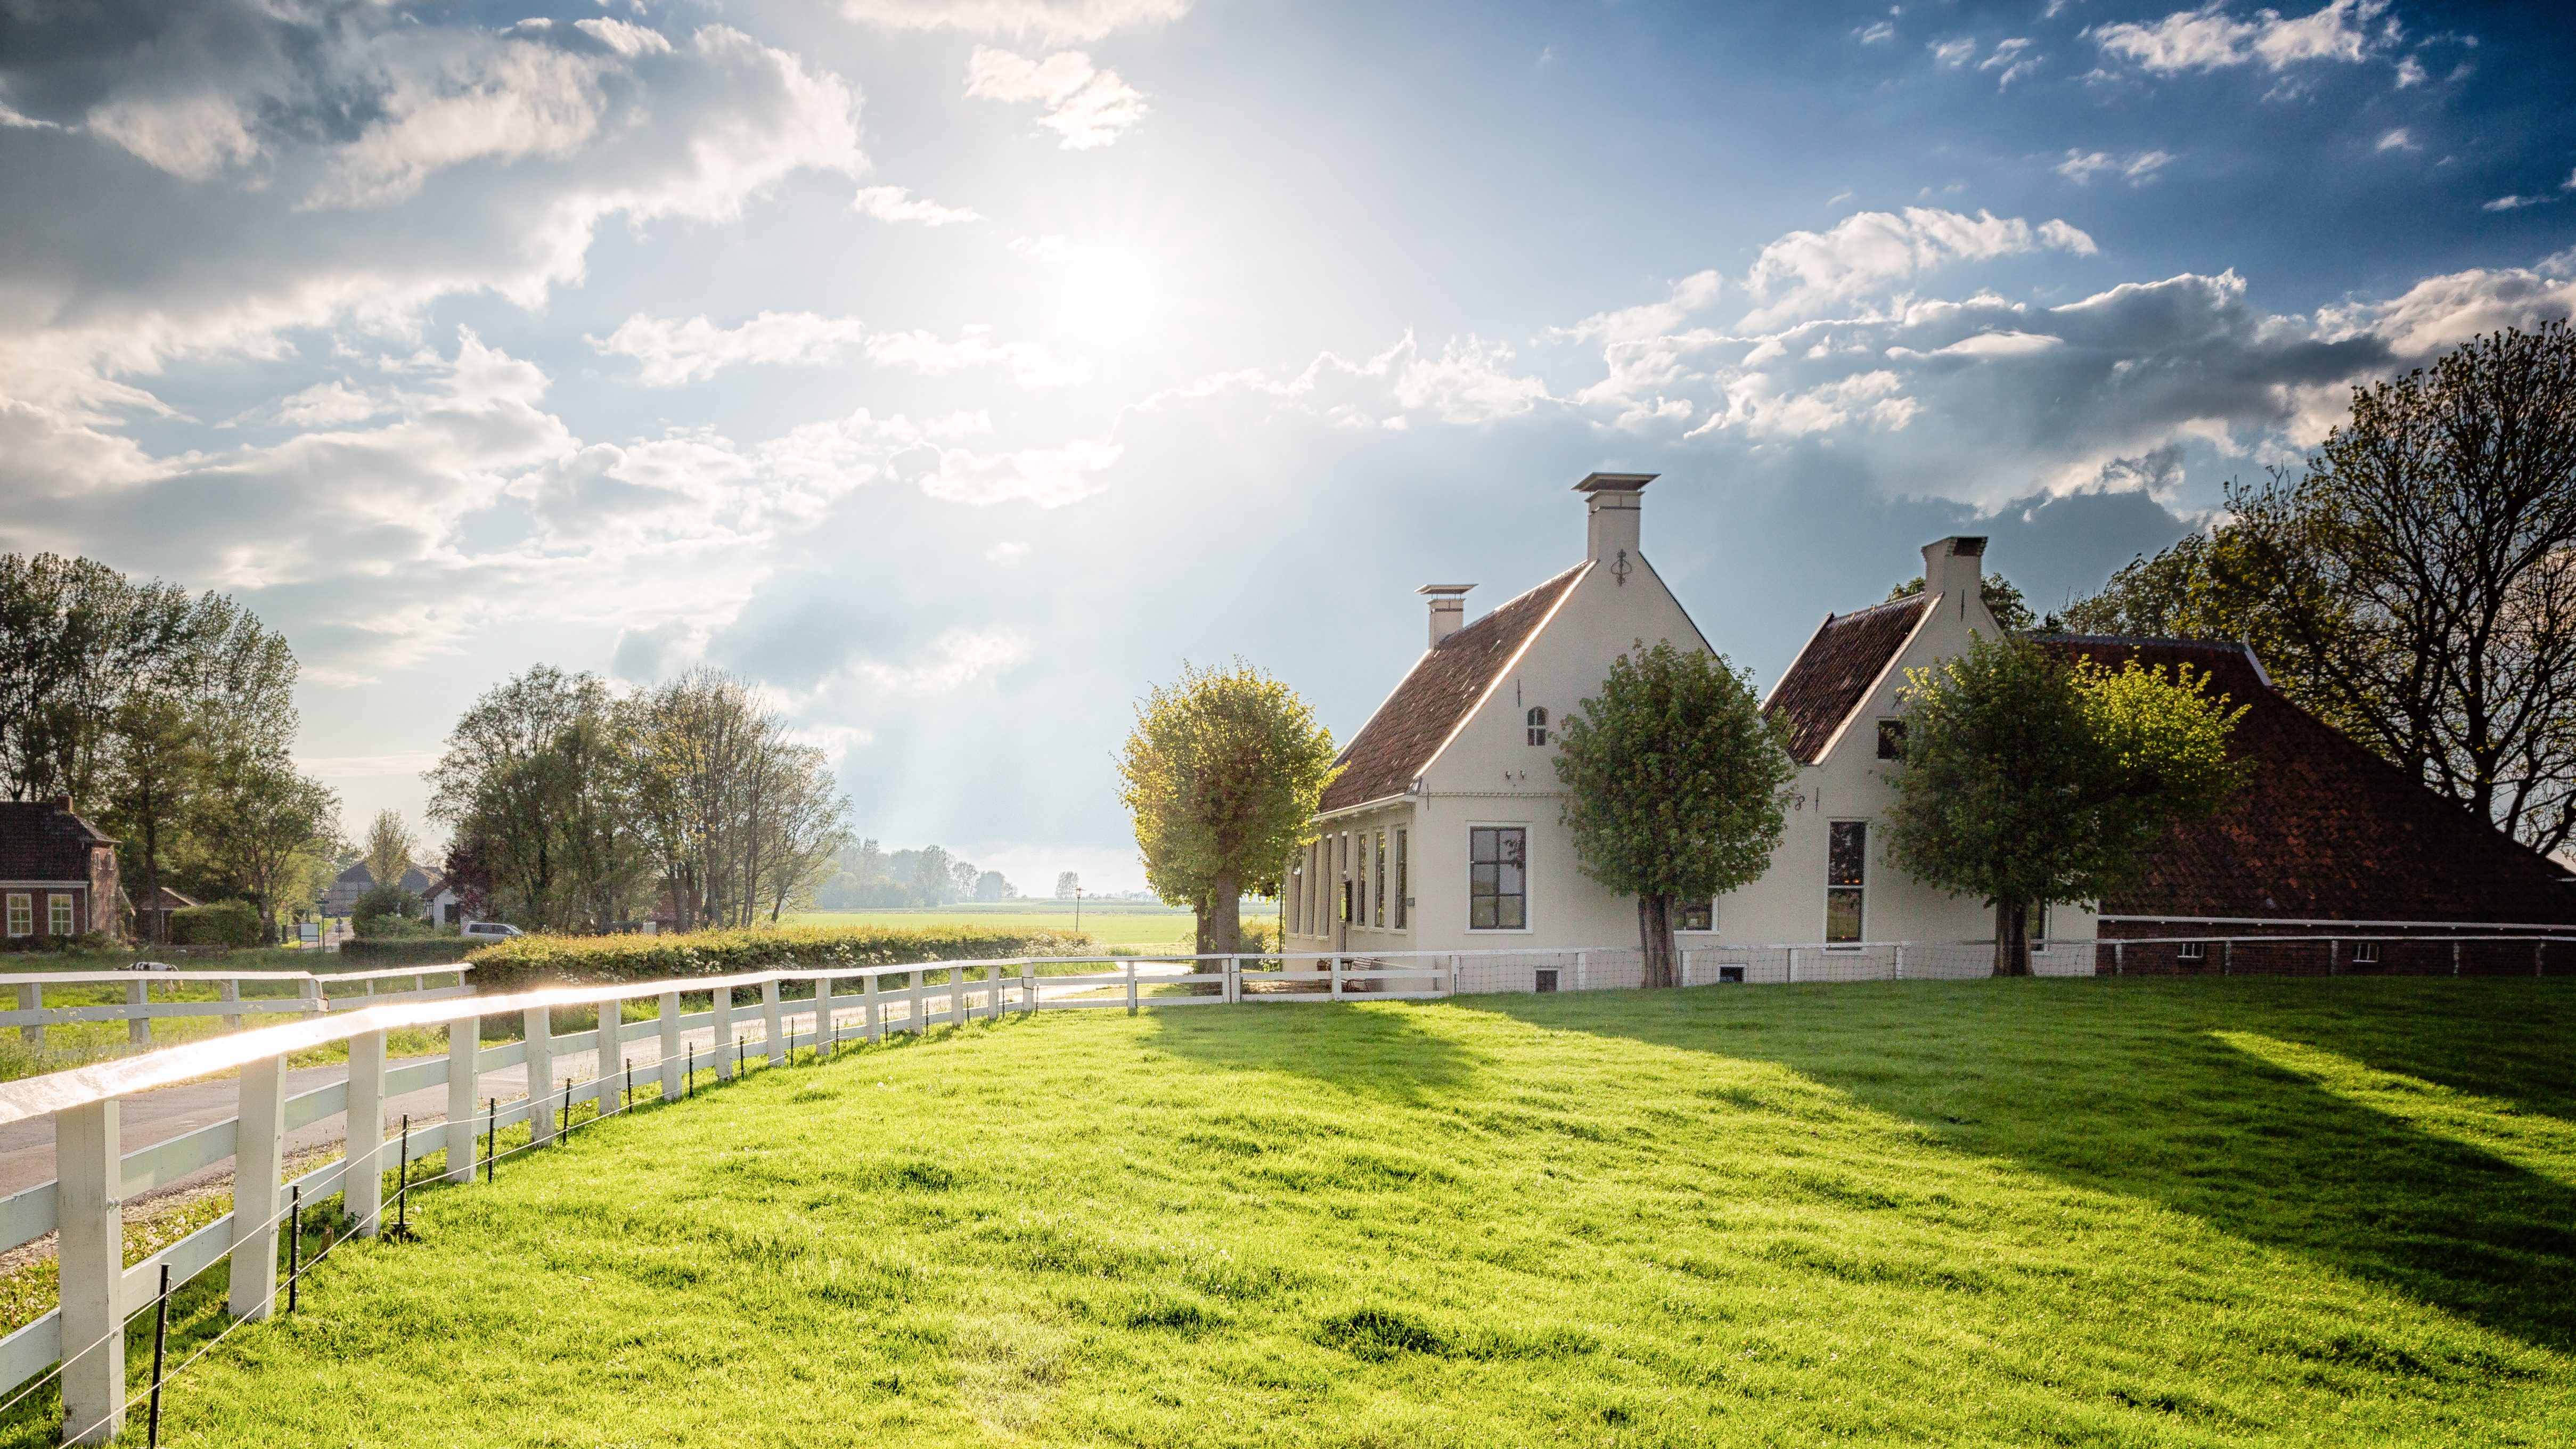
(1538, 724)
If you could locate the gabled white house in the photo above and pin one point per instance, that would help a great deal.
(1443, 831)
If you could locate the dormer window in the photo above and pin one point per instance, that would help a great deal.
(1538, 724)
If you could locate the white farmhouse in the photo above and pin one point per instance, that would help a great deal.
(1443, 831)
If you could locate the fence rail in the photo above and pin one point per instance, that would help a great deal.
(312, 995)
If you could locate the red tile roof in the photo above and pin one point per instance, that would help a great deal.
(1407, 730)
(2325, 829)
(1831, 675)
(43, 840)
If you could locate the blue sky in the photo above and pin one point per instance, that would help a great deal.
(957, 368)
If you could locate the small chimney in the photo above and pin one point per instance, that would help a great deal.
(1955, 567)
(1448, 609)
(1613, 503)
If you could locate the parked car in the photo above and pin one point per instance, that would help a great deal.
(491, 931)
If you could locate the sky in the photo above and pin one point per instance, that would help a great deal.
(956, 370)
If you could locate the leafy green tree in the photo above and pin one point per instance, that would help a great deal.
(2027, 781)
(389, 847)
(1222, 775)
(263, 820)
(161, 764)
(1676, 786)
(537, 775)
(2002, 597)
(2415, 586)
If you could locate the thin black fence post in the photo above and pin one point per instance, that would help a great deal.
(491, 1137)
(294, 1244)
(402, 1183)
(564, 1127)
(160, 1341)
(689, 1083)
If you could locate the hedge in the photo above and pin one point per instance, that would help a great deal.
(223, 923)
(365, 952)
(524, 961)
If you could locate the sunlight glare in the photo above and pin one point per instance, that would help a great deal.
(1107, 295)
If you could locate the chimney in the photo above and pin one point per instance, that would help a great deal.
(1955, 567)
(1612, 503)
(1448, 609)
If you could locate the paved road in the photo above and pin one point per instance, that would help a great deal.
(27, 1148)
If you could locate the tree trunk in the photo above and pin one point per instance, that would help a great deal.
(1655, 939)
(2012, 938)
(1221, 924)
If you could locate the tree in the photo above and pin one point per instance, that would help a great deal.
(933, 876)
(537, 774)
(2415, 586)
(264, 821)
(1676, 786)
(2002, 598)
(1221, 775)
(2026, 781)
(1067, 883)
(161, 762)
(389, 846)
(992, 885)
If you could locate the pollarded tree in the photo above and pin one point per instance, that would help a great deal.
(1223, 771)
(1676, 786)
(2027, 781)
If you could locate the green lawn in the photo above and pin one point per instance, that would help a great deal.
(2011, 1213)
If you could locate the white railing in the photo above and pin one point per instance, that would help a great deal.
(138, 1011)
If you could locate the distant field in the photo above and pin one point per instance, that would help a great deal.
(1115, 923)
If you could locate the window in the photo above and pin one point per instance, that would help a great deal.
(1377, 878)
(1696, 916)
(1498, 878)
(2365, 953)
(1403, 882)
(22, 914)
(1891, 739)
(1546, 978)
(1846, 877)
(2195, 950)
(1538, 725)
(58, 916)
(2039, 927)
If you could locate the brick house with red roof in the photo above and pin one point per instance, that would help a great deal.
(57, 874)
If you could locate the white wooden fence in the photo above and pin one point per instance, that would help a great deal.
(312, 995)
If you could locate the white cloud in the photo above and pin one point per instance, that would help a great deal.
(1048, 21)
(1467, 383)
(2009, 57)
(1865, 252)
(1047, 477)
(2397, 140)
(2516, 203)
(1086, 107)
(2410, 72)
(2081, 167)
(2210, 39)
(1883, 30)
(1953, 53)
(1006, 554)
(677, 352)
(964, 655)
(896, 203)
(1032, 365)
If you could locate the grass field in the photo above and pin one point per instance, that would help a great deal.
(2199, 1212)
(1113, 923)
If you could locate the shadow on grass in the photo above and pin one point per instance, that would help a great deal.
(1383, 1053)
(2135, 1089)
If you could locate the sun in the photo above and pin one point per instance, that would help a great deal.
(1108, 296)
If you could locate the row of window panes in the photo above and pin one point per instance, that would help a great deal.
(61, 919)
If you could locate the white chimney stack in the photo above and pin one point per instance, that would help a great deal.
(1613, 500)
(1955, 567)
(1448, 609)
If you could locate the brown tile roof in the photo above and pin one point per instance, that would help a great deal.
(43, 840)
(2325, 829)
(1827, 680)
(1407, 730)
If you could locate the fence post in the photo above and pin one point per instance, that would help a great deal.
(1686, 968)
(2227, 957)
(773, 1021)
(91, 1258)
(919, 1003)
(956, 996)
(258, 1141)
(362, 1185)
(1793, 965)
(309, 992)
(232, 992)
(539, 1021)
(1453, 973)
(464, 1038)
(1233, 979)
(32, 998)
(1131, 986)
(612, 1051)
(2539, 956)
(671, 1066)
(823, 1017)
(138, 1027)
(2334, 948)
(2455, 958)
(1900, 960)
(724, 1033)
(1582, 970)
(872, 1010)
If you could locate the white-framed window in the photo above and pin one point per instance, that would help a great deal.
(2365, 953)
(22, 914)
(1498, 878)
(1403, 880)
(1699, 915)
(2194, 950)
(1846, 881)
(1377, 881)
(2039, 927)
(59, 918)
(1538, 724)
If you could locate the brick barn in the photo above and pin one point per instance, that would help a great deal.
(57, 873)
